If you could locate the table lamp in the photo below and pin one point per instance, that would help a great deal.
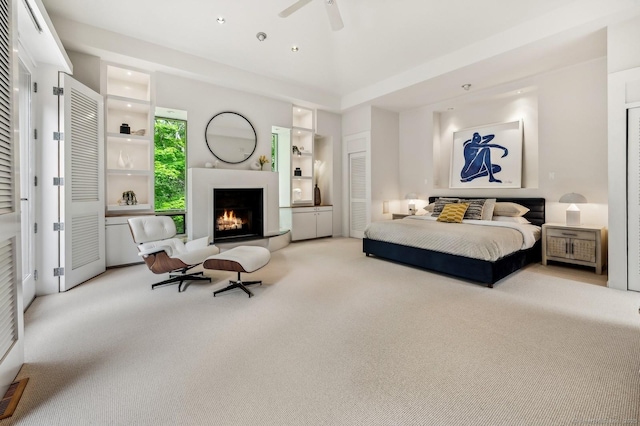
(573, 212)
(412, 197)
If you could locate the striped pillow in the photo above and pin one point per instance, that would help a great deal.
(475, 209)
(440, 203)
(453, 213)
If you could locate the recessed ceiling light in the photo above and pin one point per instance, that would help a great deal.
(294, 48)
(450, 109)
(221, 20)
(466, 86)
(261, 36)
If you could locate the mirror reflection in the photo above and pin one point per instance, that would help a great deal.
(230, 137)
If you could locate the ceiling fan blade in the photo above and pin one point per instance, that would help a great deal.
(334, 15)
(297, 5)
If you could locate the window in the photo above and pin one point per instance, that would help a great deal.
(170, 160)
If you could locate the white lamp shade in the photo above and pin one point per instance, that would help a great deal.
(411, 196)
(573, 198)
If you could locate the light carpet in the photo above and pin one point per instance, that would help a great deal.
(333, 338)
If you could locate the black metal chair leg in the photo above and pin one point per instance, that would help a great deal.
(238, 284)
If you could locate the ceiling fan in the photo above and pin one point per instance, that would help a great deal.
(330, 5)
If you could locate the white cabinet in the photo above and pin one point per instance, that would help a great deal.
(121, 249)
(129, 138)
(581, 245)
(308, 222)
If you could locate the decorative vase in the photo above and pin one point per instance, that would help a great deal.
(316, 196)
(121, 163)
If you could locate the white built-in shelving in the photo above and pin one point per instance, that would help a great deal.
(129, 157)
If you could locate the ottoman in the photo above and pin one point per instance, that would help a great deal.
(238, 259)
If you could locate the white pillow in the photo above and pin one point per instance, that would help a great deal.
(512, 219)
(509, 209)
(488, 208)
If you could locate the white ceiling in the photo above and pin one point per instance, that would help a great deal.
(397, 54)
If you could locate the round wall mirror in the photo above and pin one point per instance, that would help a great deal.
(230, 137)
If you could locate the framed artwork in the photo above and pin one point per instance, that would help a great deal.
(487, 156)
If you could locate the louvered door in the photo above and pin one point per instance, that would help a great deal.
(358, 212)
(82, 246)
(633, 197)
(11, 325)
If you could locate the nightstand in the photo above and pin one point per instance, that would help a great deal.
(581, 244)
(399, 215)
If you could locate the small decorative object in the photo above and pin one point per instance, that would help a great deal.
(140, 132)
(208, 165)
(125, 129)
(297, 194)
(128, 162)
(129, 198)
(316, 196)
(121, 163)
(263, 160)
(256, 165)
(296, 150)
(297, 172)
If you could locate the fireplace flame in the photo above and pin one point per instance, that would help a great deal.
(228, 221)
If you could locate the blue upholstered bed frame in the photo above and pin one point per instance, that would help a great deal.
(480, 271)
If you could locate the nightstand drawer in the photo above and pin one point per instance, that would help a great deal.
(570, 233)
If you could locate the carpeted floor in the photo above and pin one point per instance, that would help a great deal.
(333, 338)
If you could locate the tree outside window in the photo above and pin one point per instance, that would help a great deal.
(170, 141)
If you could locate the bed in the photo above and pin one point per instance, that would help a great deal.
(474, 269)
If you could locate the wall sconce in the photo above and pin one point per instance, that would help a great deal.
(385, 207)
(412, 197)
(573, 212)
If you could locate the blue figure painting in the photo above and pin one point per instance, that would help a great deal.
(477, 158)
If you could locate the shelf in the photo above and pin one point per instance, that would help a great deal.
(129, 172)
(128, 104)
(128, 138)
(116, 207)
(301, 177)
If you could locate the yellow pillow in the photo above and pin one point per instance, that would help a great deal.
(453, 213)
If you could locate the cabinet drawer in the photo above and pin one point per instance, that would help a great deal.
(570, 233)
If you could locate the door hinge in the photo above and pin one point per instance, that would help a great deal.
(58, 181)
(58, 91)
(35, 275)
(35, 133)
(35, 181)
(35, 228)
(35, 87)
(58, 272)
(58, 136)
(58, 226)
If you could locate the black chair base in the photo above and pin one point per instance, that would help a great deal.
(238, 284)
(180, 279)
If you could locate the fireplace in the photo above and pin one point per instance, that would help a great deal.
(237, 214)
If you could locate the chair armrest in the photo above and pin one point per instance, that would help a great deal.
(157, 249)
(197, 244)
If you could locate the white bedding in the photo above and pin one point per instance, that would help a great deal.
(478, 239)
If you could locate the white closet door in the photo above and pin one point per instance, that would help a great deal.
(633, 196)
(82, 246)
(358, 182)
(11, 322)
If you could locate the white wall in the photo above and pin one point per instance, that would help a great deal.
(565, 123)
(384, 160)
(202, 101)
(329, 128)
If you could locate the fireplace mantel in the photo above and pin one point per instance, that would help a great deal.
(202, 181)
